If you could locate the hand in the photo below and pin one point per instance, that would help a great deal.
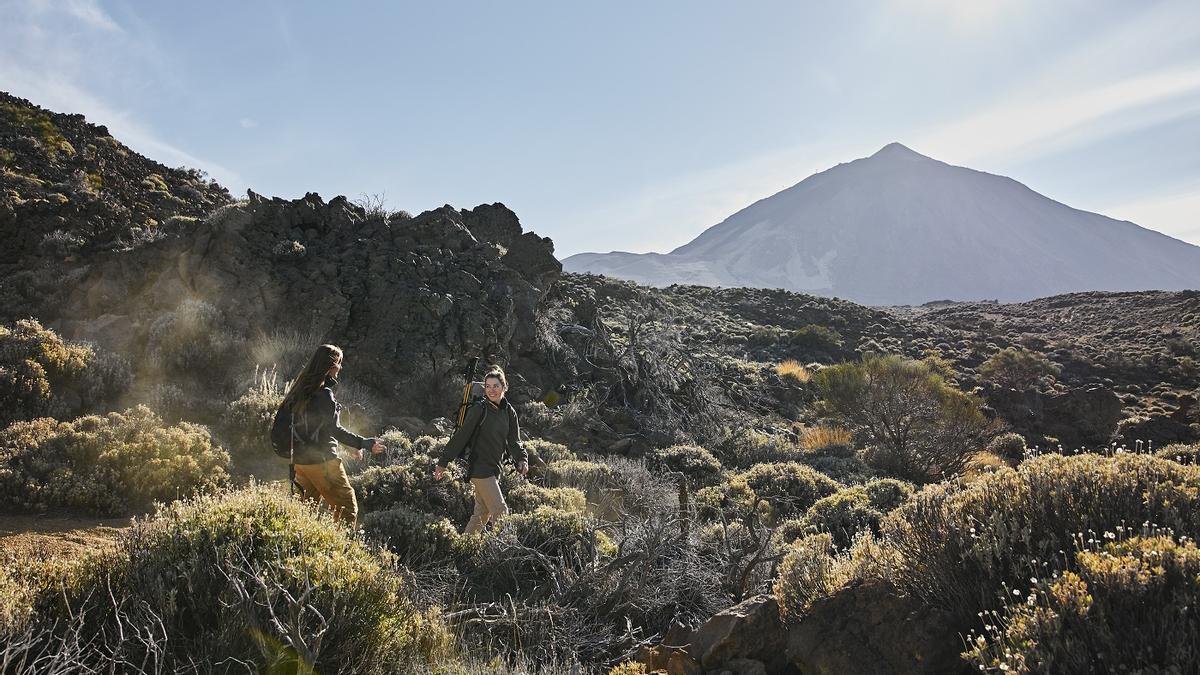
(523, 468)
(437, 472)
(378, 448)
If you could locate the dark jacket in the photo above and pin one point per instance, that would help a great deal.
(498, 434)
(318, 430)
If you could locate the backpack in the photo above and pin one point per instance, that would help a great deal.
(284, 436)
(283, 430)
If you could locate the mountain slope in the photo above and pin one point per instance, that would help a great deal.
(902, 228)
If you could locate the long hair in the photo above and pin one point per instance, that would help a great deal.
(309, 381)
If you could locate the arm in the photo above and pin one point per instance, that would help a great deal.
(513, 445)
(343, 435)
(461, 437)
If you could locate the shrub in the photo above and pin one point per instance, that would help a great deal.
(1009, 446)
(1017, 368)
(194, 343)
(916, 426)
(794, 371)
(887, 494)
(956, 546)
(833, 441)
(843, 515)
(1180, 452)
(750, 447)
(246, 423)
(524, 496)
(543, 452)
(698, 465)
(806, 575)
(252, 576)
(419, 539)
(789, 488)
(412, 486)
(816, 338)
(847, 470)
(1126, 604)
(729, 500)
(34, 364)
(591, 477)
(106, 464)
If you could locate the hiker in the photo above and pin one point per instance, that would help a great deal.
(319, 471)
(491, 431)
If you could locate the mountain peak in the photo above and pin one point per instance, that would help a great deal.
(898, 151)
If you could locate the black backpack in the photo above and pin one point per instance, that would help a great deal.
(284, 436)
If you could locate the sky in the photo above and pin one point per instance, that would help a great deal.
(630, 126)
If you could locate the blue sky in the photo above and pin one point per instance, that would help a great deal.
(630, 125)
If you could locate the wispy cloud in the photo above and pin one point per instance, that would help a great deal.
(960, 15)
(72, 57)
(1175, 213)
(1030, 127)
(247, 123)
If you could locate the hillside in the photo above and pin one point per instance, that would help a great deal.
(69, 187)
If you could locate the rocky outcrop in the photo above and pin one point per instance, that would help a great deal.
(406, 298)
(67, 187)
(866, 628)
(870, 629)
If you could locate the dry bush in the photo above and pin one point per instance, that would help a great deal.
(827, 440)
(107, 464)
(1017, 368)
(794, 371)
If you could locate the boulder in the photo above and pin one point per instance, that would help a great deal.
(868, 628)
(750, 630)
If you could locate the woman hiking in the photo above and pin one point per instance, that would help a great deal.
(315, 412)
(492, 431)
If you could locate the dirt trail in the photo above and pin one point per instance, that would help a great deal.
(56, 535)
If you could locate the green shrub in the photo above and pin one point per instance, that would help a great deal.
(815, 338)
(35, 364)
(251, 575)
(806, 575)
(597, 481)
(1130, 606)
(790, 488)
(698, 465)
(524, 496)
(847, 470)
(843, 515)
(548, 452)
(1008, 446)
(915, 425)
(1017, 368)
(750, 447)
(412, 486)
(730, 500)
(887, 494)
(106, 464)
(956, 546)
(246, 423)
(1180, 452)
(419, 539)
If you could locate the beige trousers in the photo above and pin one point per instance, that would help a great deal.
(328, 481)
(489, 503)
